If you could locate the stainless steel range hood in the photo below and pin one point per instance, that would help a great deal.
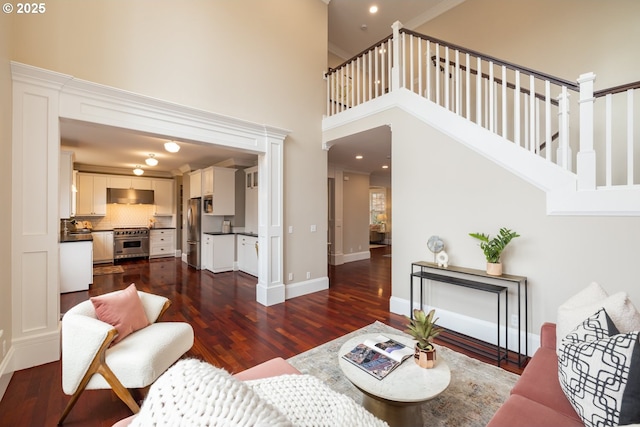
(129, 196)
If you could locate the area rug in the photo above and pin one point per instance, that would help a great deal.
(475, 393)
(107, 269)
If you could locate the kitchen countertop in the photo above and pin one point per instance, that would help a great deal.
(220, 233)
(75, 237)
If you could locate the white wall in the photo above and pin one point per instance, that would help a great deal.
(5, 189)
(355, 187)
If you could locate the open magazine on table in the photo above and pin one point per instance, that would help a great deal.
(378, 356)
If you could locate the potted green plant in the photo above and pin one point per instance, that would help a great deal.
(423, 329)
(493, 247)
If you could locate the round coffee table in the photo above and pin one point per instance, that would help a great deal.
(397, 397)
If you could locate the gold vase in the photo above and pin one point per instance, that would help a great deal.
(425, 358)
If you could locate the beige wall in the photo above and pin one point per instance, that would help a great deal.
(5, 184)
(355, 213)
(562, 38)
(255, 60)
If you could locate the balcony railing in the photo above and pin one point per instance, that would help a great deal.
(527, 107)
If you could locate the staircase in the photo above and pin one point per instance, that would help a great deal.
(575, 144)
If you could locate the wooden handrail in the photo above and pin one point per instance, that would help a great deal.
(616, 89)
(510, 65)
(333, 70)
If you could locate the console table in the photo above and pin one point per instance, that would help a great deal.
(481, 281)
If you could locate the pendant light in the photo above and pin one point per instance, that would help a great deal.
(151, 160)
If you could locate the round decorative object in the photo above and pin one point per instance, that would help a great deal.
(443, 259)
(435, 244)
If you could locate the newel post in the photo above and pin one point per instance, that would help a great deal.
(586, 158)
(397, 52)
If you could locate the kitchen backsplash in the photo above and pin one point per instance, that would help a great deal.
(128, 216)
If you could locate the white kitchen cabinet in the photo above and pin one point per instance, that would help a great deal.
(127, 182)
(76, 266)
(195, 184)
(207, 181)
(162, 242)
(206, 252)
(224, 191)
(92, 195)
(163, 197)
(247, 254)
(251, 200)
(218, 252)
(66, 183)
(102, 246)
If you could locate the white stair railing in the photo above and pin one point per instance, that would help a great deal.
(527, 107)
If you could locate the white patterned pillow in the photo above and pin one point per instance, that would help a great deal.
(599, 372)
(589, 300)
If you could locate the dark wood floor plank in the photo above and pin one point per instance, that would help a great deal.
(232, 330)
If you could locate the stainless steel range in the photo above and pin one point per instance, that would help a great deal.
(130, 242)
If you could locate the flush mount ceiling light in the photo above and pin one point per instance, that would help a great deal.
(171, 147)
(151, 160)
(138, 170)
(373, 9)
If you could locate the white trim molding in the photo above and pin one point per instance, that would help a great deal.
(41, 98)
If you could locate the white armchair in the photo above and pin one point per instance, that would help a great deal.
(135, 362)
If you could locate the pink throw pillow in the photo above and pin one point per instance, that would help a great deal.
(123, 310)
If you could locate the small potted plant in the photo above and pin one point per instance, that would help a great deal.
(423, 329)
(493, 248)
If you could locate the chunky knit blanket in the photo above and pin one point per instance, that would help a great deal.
(194, 393)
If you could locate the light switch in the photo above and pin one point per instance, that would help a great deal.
(314, 228)
(290, 229)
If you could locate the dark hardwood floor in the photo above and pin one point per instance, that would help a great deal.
(232, 330)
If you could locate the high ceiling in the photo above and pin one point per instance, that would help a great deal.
(352, 28)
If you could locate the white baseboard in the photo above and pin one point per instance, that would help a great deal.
(6, 371)
(270, 295)
(298, 289)
(356, 256)
(472, 327)
(36, 350)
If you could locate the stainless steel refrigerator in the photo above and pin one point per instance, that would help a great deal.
(194, 220)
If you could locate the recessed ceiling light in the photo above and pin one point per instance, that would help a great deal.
(151, 160)
(359, 157)
(373, 9)
(171, 147)
(385, 166)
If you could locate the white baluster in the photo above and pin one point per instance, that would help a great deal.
(427, 58)
(420, 67)
(479, 91)
(447, 80)
(411, 63)
(491, 98)
(457, 82)
(516, 110)
(504, 101)
(532, 110)
(383, 68)
(438, 73)
(630, 137)
(526, 121)
(608, 139)
(468, 84)
(547, 120)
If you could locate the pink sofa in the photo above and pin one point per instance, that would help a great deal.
(270, 368)
(537, 399)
